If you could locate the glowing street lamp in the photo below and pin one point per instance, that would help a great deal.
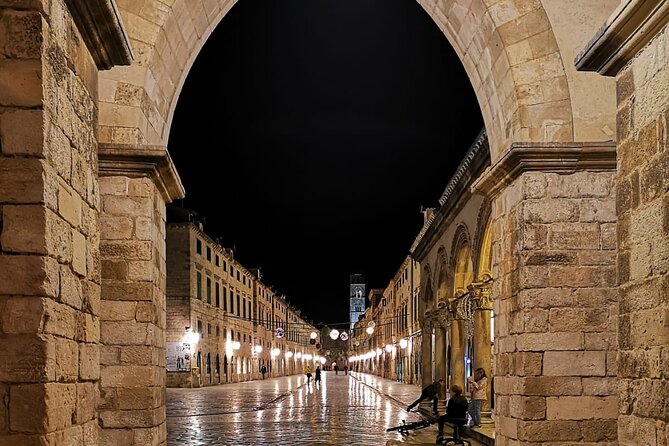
(313, 335)
(192, 337)
(236, 345)
(334, 334)
(403, 343)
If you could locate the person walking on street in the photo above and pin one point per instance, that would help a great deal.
(336, 368)
(479, 383)
(456, 413)
(263, 370)
(308, 373)
(432, 392)
(345, 369)
(317, 375)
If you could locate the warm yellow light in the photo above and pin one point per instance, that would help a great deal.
(192, 337)
(404, 343)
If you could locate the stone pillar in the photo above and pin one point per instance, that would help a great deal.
(633, 46)
(482, 352)
(643, 240)
(441, 359)
(135, 184)
(555, 294)
(426, 355)
(458, 353)
(49, 206)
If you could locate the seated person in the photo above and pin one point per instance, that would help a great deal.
(455, 410)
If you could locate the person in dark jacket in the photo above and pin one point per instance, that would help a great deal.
(432, 392)
(317, 376)
(456, 412)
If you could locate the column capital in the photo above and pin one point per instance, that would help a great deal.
(101, 27)
(631, 26)
(554, 157)
(132, 161)
(481, 293)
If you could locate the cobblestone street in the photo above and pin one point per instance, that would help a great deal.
(352, 410)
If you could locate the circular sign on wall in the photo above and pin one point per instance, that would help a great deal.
(279, 332)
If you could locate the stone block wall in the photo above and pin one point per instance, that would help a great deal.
(49, 210)
(643, 238)
(132, 248)
(556, 309)
(179, 282)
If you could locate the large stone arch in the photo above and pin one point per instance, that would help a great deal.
(517, 55)
(70, 236)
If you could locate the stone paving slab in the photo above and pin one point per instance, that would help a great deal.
(344, 410)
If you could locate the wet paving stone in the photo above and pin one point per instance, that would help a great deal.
(343, 410)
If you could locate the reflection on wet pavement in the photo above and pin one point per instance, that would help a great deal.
(343, 410)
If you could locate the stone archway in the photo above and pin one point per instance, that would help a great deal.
(83, 256)
(514, 53)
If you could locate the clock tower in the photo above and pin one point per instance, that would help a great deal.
(357, 297)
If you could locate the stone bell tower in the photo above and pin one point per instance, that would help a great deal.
(357, 297)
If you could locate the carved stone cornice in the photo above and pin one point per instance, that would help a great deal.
(631, 26)
(545, 157)
(454, 196)
(132, 161)
(100, 25)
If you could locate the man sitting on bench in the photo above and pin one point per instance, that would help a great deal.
(456, 413)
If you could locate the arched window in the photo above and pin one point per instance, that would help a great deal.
(464, 271)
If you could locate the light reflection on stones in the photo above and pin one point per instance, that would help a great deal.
(342, 410)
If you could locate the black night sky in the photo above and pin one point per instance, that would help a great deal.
(310, 132)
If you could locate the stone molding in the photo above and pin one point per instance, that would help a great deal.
(545, 157)
(152, 161)
(632, 25)
(100, 25)
(457, 190)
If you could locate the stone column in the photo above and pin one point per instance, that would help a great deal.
(49, 205)
(441, 360)
(135, 184)
(458, 353)
(633, 46)
(426, 355)
(555, 293)
(482, 352)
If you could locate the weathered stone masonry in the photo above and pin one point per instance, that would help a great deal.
(555, 294)
(49, 200)
(54, 198)
(634, 47)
